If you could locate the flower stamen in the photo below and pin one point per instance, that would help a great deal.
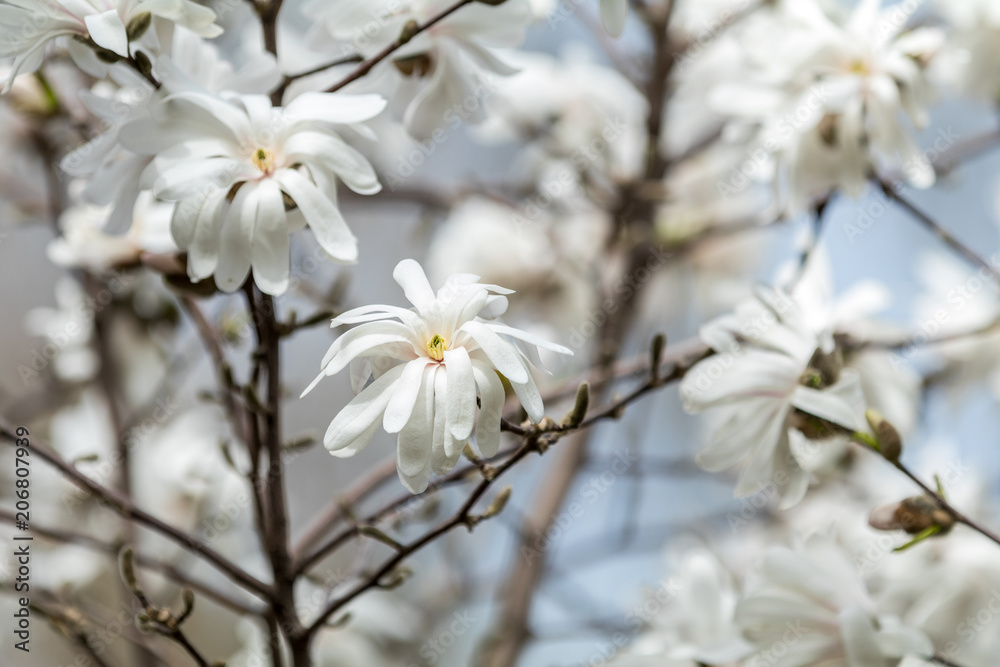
(264, 160)
(436, 346)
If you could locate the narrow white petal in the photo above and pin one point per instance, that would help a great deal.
(335, 107)
(504, 356)
(409, 275)
(529, 338)
(107, 31)
(270, 241)
(491, 395)
(461, 393)
(401, 405)
(236, 240)
(203, 253)
(321, 214)
(358, 416)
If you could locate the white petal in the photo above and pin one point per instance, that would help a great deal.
(107, 31)
(401, 405)
(358, 417)
(491, 395)
(504, 357)
(203, 253)
(461, 393)
(269, 253)
(195, 178)
(413, 452)
(236, 240)
(363, 340)
(531, 399)
(530, 338)
(321, 214)
(409, 275)
(333, 154)
(860, 641)
(334, 107)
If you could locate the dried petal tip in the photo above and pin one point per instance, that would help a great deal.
(890, 444)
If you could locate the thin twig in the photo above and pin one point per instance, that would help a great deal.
(891, 191)
(399, 42)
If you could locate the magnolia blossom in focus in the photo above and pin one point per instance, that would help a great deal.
(429, 363)
(230, 162)
(770, 373)
(809, 607)
(27, 27)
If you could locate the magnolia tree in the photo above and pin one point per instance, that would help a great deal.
(557, 189)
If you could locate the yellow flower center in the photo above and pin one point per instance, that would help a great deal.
(263, 160)
(436, 346)
(859, 67)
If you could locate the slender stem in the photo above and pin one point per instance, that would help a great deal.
(892, 192)
(163, 621)
(353, 58)
(277, 543)
(335, 511)
(76, 634)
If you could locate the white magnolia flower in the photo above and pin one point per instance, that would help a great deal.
(442, 74)
(229, 164)
(27, 26)
(613, 15)
(891, 385)
(830, 96)
(193, 65)
(429, 363)
(768, 370)
(810, 607)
